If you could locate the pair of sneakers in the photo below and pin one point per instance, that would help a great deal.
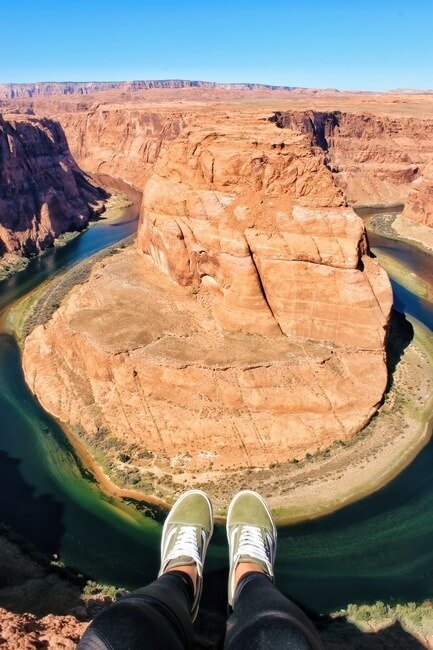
(251, 534)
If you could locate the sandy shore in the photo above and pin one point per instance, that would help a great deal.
(404, 275)
(400, 228)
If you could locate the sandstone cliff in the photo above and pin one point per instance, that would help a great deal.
(247, 327)
(375, 159)
(43, 193)
(121, 141)
(419, 203)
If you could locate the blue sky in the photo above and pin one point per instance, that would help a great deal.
(348, 45)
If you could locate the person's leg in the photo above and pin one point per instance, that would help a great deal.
(262, 618)
(159, 616)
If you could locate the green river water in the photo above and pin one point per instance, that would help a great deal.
(378, 548)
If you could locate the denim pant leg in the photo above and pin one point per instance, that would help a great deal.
(156, 617)
(264, 619)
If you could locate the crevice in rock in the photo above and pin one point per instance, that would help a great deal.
(262, 288)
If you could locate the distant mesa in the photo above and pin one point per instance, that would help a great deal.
(49, 88)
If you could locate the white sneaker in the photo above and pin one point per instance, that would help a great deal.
(186, 535)
(252, 535)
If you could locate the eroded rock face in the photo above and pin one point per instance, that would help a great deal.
(246, 327)
(42, 191)
(376, 160)
(419, 203)
(120, 141)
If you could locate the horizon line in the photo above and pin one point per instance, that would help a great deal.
(218, 83)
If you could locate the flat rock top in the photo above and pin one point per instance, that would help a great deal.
(131, 305)
(133, 352)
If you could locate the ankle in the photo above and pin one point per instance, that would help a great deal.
(246, 567)
(190, 570)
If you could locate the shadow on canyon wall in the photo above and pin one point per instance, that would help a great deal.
(400, 336)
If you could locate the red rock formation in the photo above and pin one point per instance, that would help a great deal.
(419, 203)
(252, 330)
(29, 632)
(376, 160)
(120, 141)
(43, 193)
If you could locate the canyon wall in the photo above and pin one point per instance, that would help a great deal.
(419, 202)
(121, 141)
(375, 159)
(246, 327)
(43, 193)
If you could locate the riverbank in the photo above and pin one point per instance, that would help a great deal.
(37, 307)
(403, 275)
(10, 264)
(397, 227)
(297, 490)
(111, 211)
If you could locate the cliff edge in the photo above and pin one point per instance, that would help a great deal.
(43, 193)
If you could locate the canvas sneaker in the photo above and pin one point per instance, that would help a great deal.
(252, 535)
(186, 535)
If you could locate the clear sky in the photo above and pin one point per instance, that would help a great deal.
(355, 44)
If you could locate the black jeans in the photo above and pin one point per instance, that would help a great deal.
(157, 617)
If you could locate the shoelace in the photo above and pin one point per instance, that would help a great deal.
(185, 545)
(251, 543)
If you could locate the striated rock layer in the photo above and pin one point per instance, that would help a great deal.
(121, 141)
(375, 159)
(378, 146)
(248, 324)
(43, 193)
(419, 203)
